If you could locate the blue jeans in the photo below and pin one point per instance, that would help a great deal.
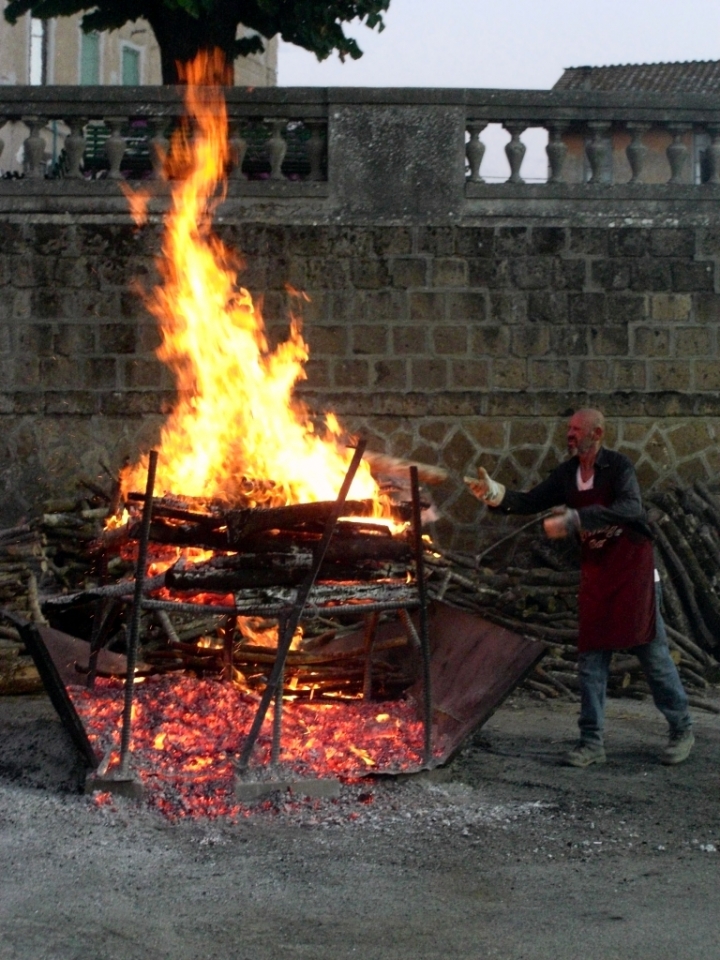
(661, 674)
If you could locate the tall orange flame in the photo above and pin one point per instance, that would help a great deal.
(236, 432)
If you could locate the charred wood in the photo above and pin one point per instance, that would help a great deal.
(243, 523)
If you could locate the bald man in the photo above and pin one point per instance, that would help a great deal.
(598, 499)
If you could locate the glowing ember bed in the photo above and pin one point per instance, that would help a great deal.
(188, 733)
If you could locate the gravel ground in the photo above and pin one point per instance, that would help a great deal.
(505, 854)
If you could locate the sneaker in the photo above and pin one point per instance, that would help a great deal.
(584, 753)
(678, 746)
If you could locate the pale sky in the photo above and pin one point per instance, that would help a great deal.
(510, 43)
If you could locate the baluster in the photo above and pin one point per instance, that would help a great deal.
(713, 154)
(34, 149)
(475, 151)
(238, 149)
(556, 150)
(636, 151)
(159, 146)
(115, 146)
(315, 148)
(677, 152)
(599, 152)
(277, 148)
(515, 150)
(74, 147)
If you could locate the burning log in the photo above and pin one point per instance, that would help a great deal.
(244, 523)
(357, 558)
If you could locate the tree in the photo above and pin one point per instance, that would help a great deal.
(184, 27)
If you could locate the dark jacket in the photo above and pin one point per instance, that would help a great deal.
(613, 472)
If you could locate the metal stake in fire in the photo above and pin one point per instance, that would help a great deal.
(424, 633)
(292, 621)
(136, 611)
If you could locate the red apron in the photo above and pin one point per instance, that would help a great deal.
(617, 583)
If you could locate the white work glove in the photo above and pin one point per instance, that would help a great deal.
(562, 523)
(485, 488)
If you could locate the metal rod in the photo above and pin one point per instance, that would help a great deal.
(410, 630)
(135, 617)
(228, 643)
(424, 635)
(278, 715)
(513, 533)
(277, 721)
(101, 614)
(293, 619)
(371, 623)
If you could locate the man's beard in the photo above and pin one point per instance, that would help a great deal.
(581, 446)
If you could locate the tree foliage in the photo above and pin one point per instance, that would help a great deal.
(183, 27)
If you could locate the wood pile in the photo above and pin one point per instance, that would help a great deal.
(46, 555)
(22, 566)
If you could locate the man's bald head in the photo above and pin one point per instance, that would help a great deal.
(591, 419)
(585, 431)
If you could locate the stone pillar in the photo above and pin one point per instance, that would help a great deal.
(115, 146)
(238, 149)
(713, 154)
(599, 152)
(277, 148)
(677, 152)
(475, 151)
(636, 150)
(74, 147)
(34, 149)
(556, 150)
(315, 148)
(515, 150)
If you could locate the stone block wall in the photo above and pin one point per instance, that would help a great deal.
(455, 345)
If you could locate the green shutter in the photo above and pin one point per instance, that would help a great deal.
(130, 67)
(90, 59)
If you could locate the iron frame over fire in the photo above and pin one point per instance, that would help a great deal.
(499, 657)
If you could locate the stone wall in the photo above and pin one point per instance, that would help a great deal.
(455, 345)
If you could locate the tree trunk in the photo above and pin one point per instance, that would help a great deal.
(181, 37)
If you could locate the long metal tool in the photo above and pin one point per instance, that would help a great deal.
(293, 619)
(136, 611)
(423, 614)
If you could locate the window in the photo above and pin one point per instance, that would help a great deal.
(90, 59)
(130, 67)
(38, 52)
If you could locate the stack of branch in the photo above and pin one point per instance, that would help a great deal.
(541, 601)
(22, 565)
(52, 552)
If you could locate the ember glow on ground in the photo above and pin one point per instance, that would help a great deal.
(187, 734)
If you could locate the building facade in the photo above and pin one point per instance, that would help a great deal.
(57, 52)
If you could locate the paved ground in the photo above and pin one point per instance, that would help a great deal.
(508, 855)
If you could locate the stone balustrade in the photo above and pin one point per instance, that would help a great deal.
(395, 155)
(83, 133)
(598, 127)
